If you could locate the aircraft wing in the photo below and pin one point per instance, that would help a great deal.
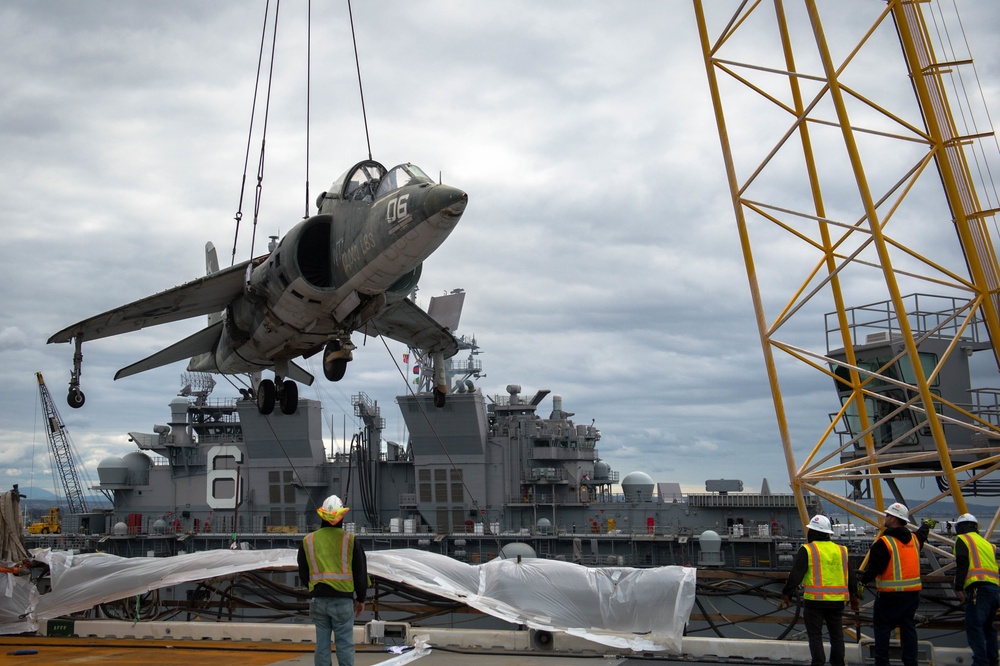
(206, 295)
(405, 322)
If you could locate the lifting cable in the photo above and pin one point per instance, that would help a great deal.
(263, 140)
(308, 95)
(361, 90)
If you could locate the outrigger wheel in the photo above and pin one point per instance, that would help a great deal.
(76, 398)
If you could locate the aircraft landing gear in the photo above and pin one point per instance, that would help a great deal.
(288, 397)
(265, 396)
(75, 398)
(440, 380)
(336, 357)
(284, 393)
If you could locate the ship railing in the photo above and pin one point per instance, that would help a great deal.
(561, 451)
(924, 312)
(986, 404)
(545, 474)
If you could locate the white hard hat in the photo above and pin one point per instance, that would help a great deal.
(820, 524)
(899, 511)
(333, 510)
(966, 518)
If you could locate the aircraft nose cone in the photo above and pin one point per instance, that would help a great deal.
(447, 201)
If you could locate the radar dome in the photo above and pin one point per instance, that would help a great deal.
(112, 471)
(637, 486)
(120, 529)
(512, 551)
(710, 544)
(544, 525)
(138, 467)
(601, 470)
(159, 526)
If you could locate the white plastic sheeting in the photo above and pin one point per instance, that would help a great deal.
(638, 609)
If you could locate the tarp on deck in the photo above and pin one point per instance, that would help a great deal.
(622, 607)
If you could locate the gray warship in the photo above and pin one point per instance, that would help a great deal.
(480, 477)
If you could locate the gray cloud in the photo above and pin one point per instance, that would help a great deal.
(598, 251)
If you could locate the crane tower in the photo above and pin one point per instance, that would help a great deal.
(61, 448)
(837, 137)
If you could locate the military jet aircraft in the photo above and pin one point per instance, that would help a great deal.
(349, 268)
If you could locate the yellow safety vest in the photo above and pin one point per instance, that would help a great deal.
(330, 552)
(903, 572)
(826, 573)
(982, 560)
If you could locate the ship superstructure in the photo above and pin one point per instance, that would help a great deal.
(476, 478)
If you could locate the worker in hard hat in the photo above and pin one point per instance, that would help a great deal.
(334, 565)
(893, 563)
(977, 584)
(820, 566)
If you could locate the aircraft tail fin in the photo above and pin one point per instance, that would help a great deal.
(201, 342)
(212, 266)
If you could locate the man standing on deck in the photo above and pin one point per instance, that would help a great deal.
(337, 573)
(820, 566)
(977, 585)
(894, 565)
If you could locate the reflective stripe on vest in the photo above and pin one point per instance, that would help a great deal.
(903, 571)
(330, 553)
(982, 560)
(826, 573)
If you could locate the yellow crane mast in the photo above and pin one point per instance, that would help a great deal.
(836, 143)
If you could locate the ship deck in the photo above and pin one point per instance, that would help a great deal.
(135, 652)
(250, 644)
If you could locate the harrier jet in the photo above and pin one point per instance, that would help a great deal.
(349, 268)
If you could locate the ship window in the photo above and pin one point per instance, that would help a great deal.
(289, 489)
(442, 521)
(425, 485)
(457, 519)
(457, 495)
(440, 485)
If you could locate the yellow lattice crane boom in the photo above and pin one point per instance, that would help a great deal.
(837, 137)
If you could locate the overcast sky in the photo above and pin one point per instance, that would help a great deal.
(598, 250)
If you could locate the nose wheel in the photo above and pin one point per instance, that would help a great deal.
(336, 357)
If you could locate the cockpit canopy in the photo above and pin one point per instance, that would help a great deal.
(369, 180)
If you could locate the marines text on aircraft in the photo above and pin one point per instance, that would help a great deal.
(348, 268)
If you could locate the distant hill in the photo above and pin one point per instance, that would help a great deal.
(36, 499)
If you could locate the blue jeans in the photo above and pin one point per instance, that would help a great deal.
(891, 610)
(981, 603)
(336, 615)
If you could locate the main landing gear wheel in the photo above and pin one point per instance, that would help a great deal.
(439, 398)
(76, 398)
(265, 396)
(335, 361)
(289, 398)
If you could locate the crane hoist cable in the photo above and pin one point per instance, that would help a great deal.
(263, 139)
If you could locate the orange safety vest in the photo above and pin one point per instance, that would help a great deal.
(982, 560)
(826, 572)
(330, 553)
(903, 571)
